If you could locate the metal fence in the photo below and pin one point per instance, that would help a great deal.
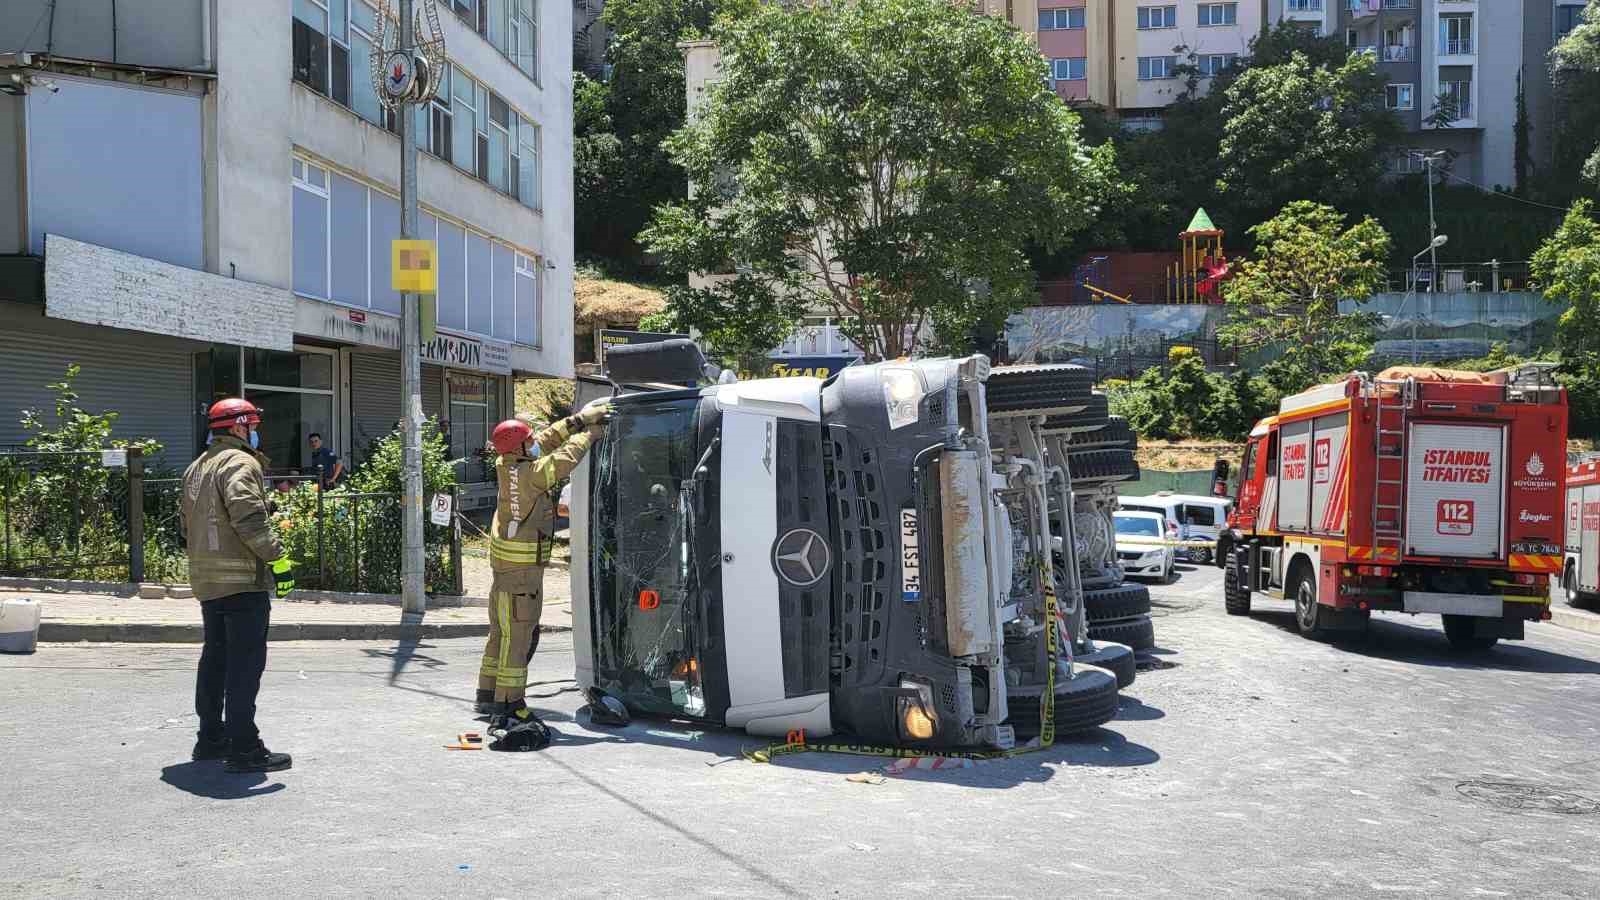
(85, 515)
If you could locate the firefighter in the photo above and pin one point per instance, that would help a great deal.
(530, 468)
(234, 561)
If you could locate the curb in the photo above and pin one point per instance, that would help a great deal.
(157, 591)
(154, 633)
(1575, 619)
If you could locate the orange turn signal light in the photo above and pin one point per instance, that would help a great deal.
(649, 599)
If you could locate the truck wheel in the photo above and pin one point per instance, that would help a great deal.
(1569, 583)
(1122, 602)
(1459, 631)
(1307, 611)
(1235, 599)
(1116, 434)
(1091, 418)
(1138, 633)
(1087, 700)
(1103, 465)
(1114, 658)
(1038, 390)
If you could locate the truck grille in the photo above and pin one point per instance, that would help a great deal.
(866, 548)
(803, 613)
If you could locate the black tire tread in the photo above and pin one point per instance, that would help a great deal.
(1092, 417)
(1235, 600)
(1117, 433)
(1084, 702)
(1104, 465)
(1014, 389)
(1139, 633)
(1121, 602)
(1118, 659)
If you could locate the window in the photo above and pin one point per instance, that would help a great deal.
(481, 104)
(500, 143)
(1069, 69)
(1194, 514)
(1158, 17)
(1061, 19)
(474, 411)
(525, 38)
(1461, 93)
(310, 45)
(527, 164)
(525, 288)
(1303, 5)
(1152, 68)
(1455, 34)
(1352, 38)
(295, 393)
(1212, 64)
(510, 26)
(1567, 18)
(441, 127)
(310, 228)
(1398, 96)
(1219, 14)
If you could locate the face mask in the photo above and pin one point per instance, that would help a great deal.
(533, 451)
(255, 439)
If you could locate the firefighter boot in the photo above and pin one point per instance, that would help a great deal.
(483, 703)
(522, 732)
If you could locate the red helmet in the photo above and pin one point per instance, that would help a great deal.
(510, 435)
(232, 411)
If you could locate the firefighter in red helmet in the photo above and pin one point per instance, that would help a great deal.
(530, 467)
(235, 560)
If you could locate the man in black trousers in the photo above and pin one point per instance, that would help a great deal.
(235, 561)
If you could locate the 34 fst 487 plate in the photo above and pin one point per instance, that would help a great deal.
(910, 558)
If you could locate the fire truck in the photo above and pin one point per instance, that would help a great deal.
(1418, 490)
(1580, 576)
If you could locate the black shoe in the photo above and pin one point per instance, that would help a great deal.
(523, 732)
(483, 704)
(258, 760)
(207, 749)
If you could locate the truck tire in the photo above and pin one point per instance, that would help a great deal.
(1038, 390)
(1091, 417)
(1235, 599)
(1117, 659)
(1459, 631)
(1139, 633)
(1121, 602)
(1308, 613)
(1085, 701)
(1116, 434)
(1103, 466)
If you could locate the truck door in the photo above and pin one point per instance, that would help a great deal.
(1455, 490)
(1589, 560)
(1294, 477)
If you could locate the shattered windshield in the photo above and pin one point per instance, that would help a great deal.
(646, 613)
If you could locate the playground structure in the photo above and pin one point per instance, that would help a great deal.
(1192, 276)
(1202, 264)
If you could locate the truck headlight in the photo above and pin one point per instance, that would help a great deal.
(917, 719)
(902, 394)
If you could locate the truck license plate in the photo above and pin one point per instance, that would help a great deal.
(910, 558)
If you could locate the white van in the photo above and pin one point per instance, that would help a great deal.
(1194, 517)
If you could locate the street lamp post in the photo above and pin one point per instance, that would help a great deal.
(1439, 240)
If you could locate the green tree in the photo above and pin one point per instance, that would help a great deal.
(1446, 110)
(1575, 62)
(887, 162)
(1567, 269)
(598, 169)
(1305, 129)
(1521, 131)
(1307, 261)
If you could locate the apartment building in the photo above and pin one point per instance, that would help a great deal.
(1149, 41)
(1456, 56)
(201, 195)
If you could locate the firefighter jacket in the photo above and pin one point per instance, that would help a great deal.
(225, 519)
(525, 516)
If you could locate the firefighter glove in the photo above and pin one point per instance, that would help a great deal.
(283, 575)
(596, 412)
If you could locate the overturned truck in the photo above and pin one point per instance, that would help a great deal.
(870, 554)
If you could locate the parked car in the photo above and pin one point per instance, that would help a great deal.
(1138, 550)
(1192, 516)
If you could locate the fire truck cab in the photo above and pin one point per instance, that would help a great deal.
(1419, 490)
(1580, 576)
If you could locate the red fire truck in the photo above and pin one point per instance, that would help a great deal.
(1420, 491)
(1581, 574)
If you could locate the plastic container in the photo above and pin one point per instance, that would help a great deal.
(19, 625)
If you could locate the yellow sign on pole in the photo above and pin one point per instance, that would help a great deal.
(414, 266)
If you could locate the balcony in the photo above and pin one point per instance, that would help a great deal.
(1302, 6)
(1456, 47)
(1397, 53)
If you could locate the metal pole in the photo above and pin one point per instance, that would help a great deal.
(135, 515)
(322, 533)
(455, 540)
(413, 598)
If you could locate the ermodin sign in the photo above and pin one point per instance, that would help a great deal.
(468, 353)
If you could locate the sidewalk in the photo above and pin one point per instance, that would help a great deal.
(1576, 619)
(102, 617)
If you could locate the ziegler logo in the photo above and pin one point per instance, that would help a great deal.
(1532, 518)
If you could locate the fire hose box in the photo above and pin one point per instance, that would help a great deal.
(19, 625)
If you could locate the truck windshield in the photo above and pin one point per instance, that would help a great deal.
(646, 614)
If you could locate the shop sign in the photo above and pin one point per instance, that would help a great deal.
(813, 366)
(100, 286)
(468, 353)
(617, 337)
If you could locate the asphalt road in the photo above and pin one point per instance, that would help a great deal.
(1254, 762)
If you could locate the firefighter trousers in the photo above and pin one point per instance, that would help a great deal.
(516, 600)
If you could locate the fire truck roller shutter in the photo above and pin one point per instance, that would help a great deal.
(1294, 476)
(1455, 490)
(1589, 560)
(1329, 459)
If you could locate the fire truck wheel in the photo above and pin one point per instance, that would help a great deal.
(1459, 631)
(1308, 613)
(1117, 659)
(1235, 599)
(1138, 633)
(1115, 434)
(1103, 465)
(1039, 390)
(1085, 701)
(1121, 602)
(1569, 583)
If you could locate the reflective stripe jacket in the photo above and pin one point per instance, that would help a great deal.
(225, 518)
(524, 519)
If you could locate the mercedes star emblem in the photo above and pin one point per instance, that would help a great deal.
(801, 557)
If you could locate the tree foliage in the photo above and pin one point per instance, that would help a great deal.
(1305, 129)
(1574, 58)
(1184, 400)
(887, 162)
(1567, 268)
(1307, 261)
